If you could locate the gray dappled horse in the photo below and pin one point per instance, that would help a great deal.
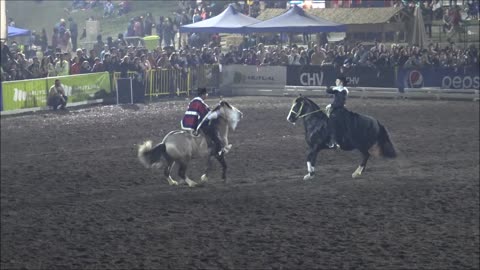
(181, 146)
(354, 131)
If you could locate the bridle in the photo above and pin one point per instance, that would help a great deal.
(298, 112)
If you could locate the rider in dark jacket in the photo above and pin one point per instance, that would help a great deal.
(340, 92)
(194, 117)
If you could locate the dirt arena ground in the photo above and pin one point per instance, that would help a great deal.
(73, 194)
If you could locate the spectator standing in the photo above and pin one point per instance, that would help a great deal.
(108, 9)
(55, 39)
(137, 27)
(196, 17)
(149, 22)
(427, 14)
(159, 30)
(99, 46)
(43, 41)
(120, 43)
(168, 32)
(73, 33)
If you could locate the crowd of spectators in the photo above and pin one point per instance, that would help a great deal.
(118, 56)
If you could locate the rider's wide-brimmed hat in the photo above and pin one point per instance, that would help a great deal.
(201, 91)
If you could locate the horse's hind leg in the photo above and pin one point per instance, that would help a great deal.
(182, 172)
(362, 166)
(167, 172)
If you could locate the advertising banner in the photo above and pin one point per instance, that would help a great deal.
(33, 93)
(445, 78)
(253, 75)
(326, 75)
(84, 87)
(310, 76)
(368, 76)
(24, 94)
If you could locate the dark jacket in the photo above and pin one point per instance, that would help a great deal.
(341, 94)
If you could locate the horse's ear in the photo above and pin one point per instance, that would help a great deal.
(300, 95)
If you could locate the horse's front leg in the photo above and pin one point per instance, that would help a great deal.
(221, 159)
(204, 177)
(362, 166)
(312, 153)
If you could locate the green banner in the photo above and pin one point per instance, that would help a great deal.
(84, 87)
(33, 93)
(24, 94)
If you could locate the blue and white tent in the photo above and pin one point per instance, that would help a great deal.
(15, 32)
(229, 21)
(295, 20)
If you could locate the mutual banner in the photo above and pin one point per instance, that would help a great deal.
(33, 93)
(274, 76)
(326, 75)
(24, 94)
(445, 78)
(84, 87)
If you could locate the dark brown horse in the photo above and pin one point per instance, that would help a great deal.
(354, 131)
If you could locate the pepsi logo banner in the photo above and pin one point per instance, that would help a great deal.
(445, 78)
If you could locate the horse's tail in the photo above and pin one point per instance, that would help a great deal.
(386, 145)
(149, 155)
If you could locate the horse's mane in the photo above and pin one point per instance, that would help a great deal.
(221, 104)
(313, 104)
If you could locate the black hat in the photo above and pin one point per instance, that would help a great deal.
(202, 91)
(343, 79)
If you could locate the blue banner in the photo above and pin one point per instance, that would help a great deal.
(326, 76)
(445, 78)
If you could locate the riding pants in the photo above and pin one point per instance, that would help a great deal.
(212, 136)
(333, 124)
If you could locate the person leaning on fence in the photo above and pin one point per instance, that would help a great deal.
(340, 92)
(56, 96)
(198, 116)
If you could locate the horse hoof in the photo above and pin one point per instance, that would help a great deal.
(191, 183)
(173, 183)
(227, 148)
(307, 177)
(355, 175)
(204, 178)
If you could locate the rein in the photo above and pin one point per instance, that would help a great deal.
(300, 109)
(303, 115)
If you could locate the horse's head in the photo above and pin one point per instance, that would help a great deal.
(297, 109)
(228, 112)
(302, 107)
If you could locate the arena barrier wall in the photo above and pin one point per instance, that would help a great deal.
(174, 82)
(363, 82)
